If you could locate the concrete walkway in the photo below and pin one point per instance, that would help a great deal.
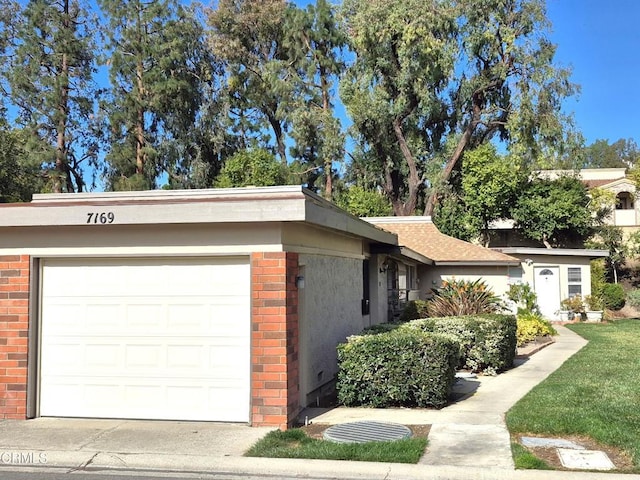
(471, 432)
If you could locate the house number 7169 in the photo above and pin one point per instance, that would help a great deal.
(100, 217)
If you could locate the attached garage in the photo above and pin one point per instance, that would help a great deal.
(146, 338)
(178, 305)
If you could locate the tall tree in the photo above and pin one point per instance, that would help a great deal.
(432, 79)
(315, 42)
(51, 83)
(395, 90)
(507, 86)
(156, 67)
(622, 153)
(248, 38)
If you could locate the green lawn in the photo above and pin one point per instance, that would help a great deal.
(295, 443)
(595, 393)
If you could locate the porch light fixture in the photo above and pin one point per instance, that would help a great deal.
(300, 282)
(385, 265)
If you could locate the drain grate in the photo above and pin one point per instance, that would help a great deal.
(361, 432)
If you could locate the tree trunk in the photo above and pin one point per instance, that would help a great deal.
(141, 156)
(140, 140)
(277, 130)
(328, 162)
(477, 100)
(413, 182)
(451, 164)
(61, 170)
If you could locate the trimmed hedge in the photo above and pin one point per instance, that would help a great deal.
(487, 341)
(402, 367)
(614, 297)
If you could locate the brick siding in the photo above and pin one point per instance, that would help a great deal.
(14, 328)
(274, 339)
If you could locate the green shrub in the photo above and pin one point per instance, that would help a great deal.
(402, 367)
(421, 306)
(487, 342)
(613, 296)
(633, 297)
(598, 277)
(410, 312)
(462, 297)
(532, 326)
(524, 297)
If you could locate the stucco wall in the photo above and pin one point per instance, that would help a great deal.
(497, 277)
(329, 311)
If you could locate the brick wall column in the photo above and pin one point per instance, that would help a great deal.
(14, 330)
(274, 339)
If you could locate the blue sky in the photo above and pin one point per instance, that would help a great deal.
(601, 42)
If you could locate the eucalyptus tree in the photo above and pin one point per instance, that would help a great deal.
(50, 78)
(623, 153)
(507, 86)
(248, 38)
(434, 78)
(396, 89)
(156, 59)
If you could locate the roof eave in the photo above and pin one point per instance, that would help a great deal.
(480, 263)
(574, 252)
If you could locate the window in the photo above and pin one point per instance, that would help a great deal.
(624, 201)
(574, 280)
(515, 275)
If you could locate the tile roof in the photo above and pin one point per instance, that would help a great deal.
(599, 183)
(424, 237)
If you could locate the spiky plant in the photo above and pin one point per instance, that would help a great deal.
(463, 297)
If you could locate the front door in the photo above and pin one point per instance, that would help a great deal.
(547, 287)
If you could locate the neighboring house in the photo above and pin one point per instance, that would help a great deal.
(555, 273)
(451, 257)
(216, 305)
(559, 273)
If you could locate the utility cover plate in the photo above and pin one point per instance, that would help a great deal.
(366, 431)
(585, 459)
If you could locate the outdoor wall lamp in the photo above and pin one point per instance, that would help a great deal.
(385, 265)
(300, 282)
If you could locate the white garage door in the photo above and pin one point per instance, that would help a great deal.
(146, 338)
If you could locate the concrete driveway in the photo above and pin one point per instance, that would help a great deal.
(83, 441)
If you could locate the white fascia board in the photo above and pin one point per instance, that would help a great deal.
(570, 252)
(154, 213)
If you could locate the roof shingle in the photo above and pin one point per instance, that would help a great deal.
(424, 237)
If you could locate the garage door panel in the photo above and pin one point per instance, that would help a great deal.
(151, 338)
